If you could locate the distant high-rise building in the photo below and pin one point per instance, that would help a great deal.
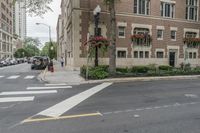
(19, 19)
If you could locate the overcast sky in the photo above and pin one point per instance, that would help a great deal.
(49, 18)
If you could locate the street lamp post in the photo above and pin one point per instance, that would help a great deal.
(51, 47)
(96, 13)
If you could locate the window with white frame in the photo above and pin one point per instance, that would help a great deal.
(141, 54)
(146, 54)
(160, 54)
(159, 34)
(121, 54)
(192, 55)
(167, 9)
(135, 54)
(173, 35)
(142, 7)
(191, 10)
(121, 31)
(190, 35)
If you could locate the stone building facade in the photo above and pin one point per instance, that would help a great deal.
(6, 29)
(167, 22)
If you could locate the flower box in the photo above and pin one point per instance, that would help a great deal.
(141, 39)
(192, 42)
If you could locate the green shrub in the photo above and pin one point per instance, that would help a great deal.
(122, 70)
(165, 67)
(140, 69)
(99, 72)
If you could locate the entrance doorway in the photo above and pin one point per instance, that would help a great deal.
(172, 57)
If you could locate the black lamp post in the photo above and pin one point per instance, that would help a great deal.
(96, 13)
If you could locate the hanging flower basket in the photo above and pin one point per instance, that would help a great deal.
(141, 39)
(192, 42)
(99, 41)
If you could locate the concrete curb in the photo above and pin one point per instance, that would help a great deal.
(120, 80)
(42, 78)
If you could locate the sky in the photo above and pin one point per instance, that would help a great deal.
(50, 18)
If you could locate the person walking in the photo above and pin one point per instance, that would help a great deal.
(62, 62)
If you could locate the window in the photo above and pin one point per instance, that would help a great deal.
(167, 9)
(141, 54)
(194, 55)
(173, 35)
(159, 34)
(159, 54)
(146, 54)
(121, 54)
(190, 55)
(141, 31)
(142, 7)
(135, 54)
(121, 31)
(190, 34)
(191, 10)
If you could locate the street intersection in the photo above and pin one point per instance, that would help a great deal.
(30, 106)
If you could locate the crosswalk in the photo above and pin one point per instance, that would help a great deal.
(30, 92)
(13, 77)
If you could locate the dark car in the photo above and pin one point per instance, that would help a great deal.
(39, 63)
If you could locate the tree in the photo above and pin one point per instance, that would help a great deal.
(112, 48)
(20, 53)
(47, 51)
(37, 7)
(31, 46)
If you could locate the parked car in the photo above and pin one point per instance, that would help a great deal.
(39, 63)
(4, 63)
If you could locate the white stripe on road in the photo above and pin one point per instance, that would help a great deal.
(62, 84)
(14, 77)
(16, 99)
(66, 105)
(29, 77)
(2, 76)
(47, 88)
(26, 92)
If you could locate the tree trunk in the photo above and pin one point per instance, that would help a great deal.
(112, 48)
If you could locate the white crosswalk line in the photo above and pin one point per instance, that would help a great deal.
(62, 84)
(47, 88)
(27, 92)
(64, 106)
(29, 77)
(1, 77)
(16, 99)
(14, 77)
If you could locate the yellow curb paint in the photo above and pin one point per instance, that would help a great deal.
(30, 120)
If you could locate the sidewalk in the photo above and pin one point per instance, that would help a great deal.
(64, 75)
(61, 75)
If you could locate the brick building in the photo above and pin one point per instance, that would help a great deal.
(166, 22)
(6, 28)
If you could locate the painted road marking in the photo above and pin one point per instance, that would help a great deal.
(62, 84)
(64, 106)
(60, 118)
(2, 76)
(29, 77)
(16, 99)
(151, 108)
(14, 77)
(47, 88)
(191, 95)
(26, 92)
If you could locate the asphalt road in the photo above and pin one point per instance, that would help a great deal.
(134, 107)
